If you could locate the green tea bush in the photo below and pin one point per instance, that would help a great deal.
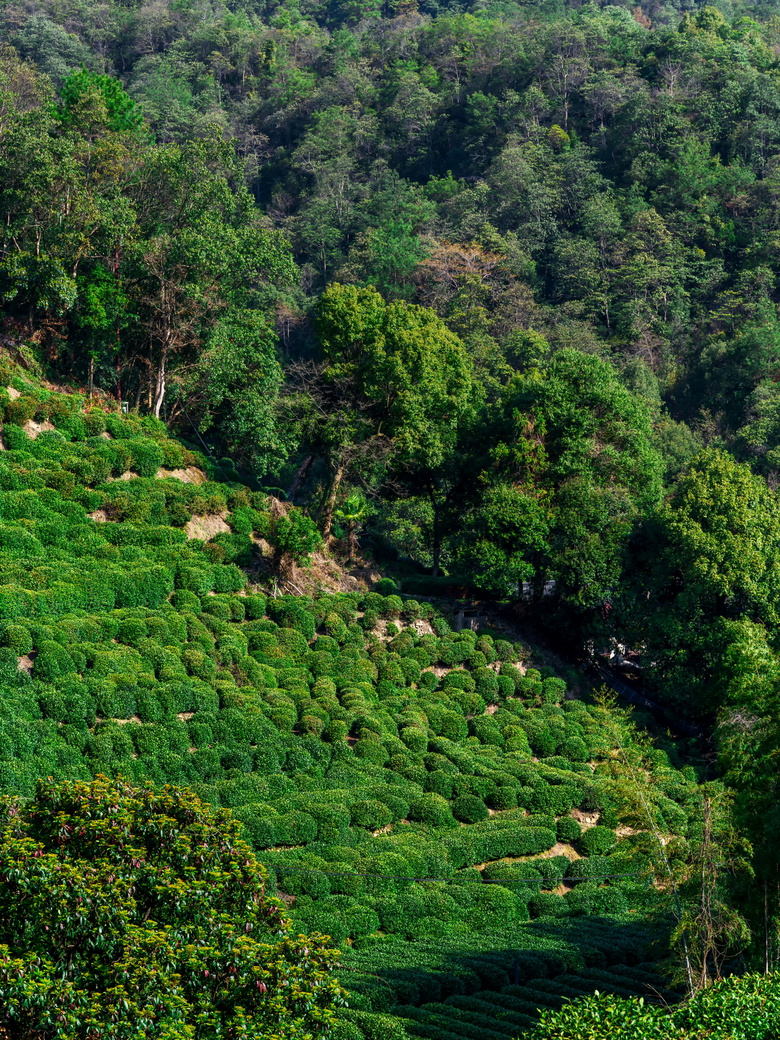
(453, 726)
(553, 690)
(147, 456)
(568, 830)
(53, 662)
(18, 638)
(495, 906)
(469, 809)
(439, 782)
(503, 798)
(520, 878)
(288, 612)
(432, 810)
(591, 900)
(371, 751)
(486, 730)
(596, 841)
(370, 813)
(415, 739)
(575, 749)
(557, 799)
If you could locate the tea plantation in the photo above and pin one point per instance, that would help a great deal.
(477, 845)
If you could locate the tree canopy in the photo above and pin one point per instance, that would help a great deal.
(126, 911)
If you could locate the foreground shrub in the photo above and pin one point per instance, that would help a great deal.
(736, 1008)
(173, 939)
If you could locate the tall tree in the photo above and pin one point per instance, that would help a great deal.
(571, 467)
(395, 384)
(709, 554)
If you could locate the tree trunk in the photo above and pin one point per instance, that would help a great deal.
(766, 927)
(299, 477)
(159, 387)
(330, 505)
(352, 541)
(91, 375)
(436, 541)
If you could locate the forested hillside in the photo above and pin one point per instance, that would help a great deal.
(478, 297)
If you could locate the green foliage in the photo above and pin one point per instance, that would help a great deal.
(469, 809)
(116, 940)
(294, 535)
(596, 841)
(432, 810)
(18, 638)
(710, 554)
(352, 771)
(732, 1009)
(568, 830)
(97, 98)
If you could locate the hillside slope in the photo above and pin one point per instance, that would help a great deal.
(426, 797)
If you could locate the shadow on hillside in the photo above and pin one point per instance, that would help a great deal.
(421, 971)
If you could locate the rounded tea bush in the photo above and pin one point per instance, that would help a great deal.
(553, 690)
(370, 813)
(545, 904)
(597, 841)
(18, 638)
(504, 797)
(568, 830)
(371, 751)
(439, 782)
(469, 809)
(432, 810)
(415, 739)
(592, 900)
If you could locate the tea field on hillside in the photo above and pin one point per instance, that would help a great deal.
(478, 844)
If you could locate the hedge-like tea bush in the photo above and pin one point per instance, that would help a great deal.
(596, 841)
(469, 809)
(568, 830)
(432, 810)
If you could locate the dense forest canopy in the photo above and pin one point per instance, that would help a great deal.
(486, 293)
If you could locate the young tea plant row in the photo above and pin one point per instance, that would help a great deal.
(514, 1009)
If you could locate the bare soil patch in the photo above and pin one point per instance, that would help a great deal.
(585, 819)
(207, 527)
(34, 429)
(189, 475)
(422, 627)
(560, 849)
